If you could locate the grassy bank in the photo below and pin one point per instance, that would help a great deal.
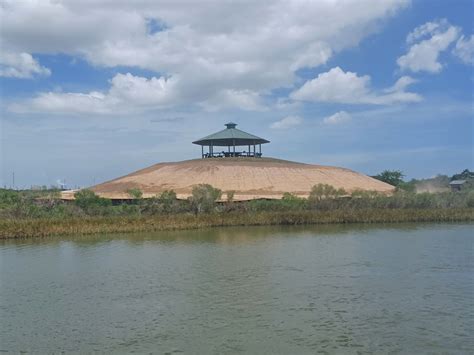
(25, 214)
(45, 227)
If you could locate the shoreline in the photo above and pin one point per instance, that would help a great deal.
(49, 227)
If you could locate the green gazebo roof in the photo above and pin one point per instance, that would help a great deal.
(230, 136)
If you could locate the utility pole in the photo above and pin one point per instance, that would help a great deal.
(13, 180)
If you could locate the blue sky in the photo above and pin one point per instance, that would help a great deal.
(91, 90)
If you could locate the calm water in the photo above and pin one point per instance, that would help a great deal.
(407, 288)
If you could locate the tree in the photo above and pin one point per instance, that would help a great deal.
(87, 199)
(392, 177)
(135, 193)
(167, 199)
(464, 175)
(204, 198)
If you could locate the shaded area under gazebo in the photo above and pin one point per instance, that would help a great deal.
(231, 137)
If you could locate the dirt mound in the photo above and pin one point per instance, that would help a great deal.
(250, 178)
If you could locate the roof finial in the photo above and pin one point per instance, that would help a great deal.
(230, 125)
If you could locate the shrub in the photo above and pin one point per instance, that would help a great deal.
(424, 200)
(320, 192)
(407, 186)
(470, 199)
(289, 202)
(90, 202)
(167, 199)
(135, 193)
(204, 198)
(9, 197)
(292, 202)
(264, 205)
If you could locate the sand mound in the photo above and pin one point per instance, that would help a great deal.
(250, 178)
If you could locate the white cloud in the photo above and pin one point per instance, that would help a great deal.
(217, 49)
(334, 86)
(401, 84)
(424, 55)
(426, 30)
(316, 54)
(139, 91)
(337, 86)
(337, 118)
(241, 99)
(127, 93)
(287, 104)
(20, 65)
(287, 122)
(465, 49)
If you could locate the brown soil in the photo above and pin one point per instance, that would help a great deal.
(250, 178)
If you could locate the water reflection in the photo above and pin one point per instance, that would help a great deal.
(374, 289)
(230, 235)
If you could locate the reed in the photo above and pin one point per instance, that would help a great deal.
(46, 227)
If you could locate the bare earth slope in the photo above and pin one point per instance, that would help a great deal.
(250, 178)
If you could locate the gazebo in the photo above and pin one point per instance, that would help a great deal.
(231, 137)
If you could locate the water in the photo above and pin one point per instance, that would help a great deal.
(379, 289)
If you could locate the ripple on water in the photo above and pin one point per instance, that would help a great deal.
(307, 290)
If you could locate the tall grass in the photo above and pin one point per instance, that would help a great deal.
(25, 214)
(42, 227)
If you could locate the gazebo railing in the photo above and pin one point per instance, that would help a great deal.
(224, 154)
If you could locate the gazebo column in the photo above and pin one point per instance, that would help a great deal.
(260, 149)
(233, 145)
(202, 151)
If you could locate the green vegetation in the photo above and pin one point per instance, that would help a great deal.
(135, 193)
(392, 177)
(464, 175)
(45, 227)
(42, 213)
(322, 192)
(438, 183)
(204, 198)
(32, 213)
(89, 202)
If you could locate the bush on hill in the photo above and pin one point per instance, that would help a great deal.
(204, 198)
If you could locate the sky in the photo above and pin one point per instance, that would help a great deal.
(94, 89)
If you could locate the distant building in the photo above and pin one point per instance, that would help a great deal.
(457, 185)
